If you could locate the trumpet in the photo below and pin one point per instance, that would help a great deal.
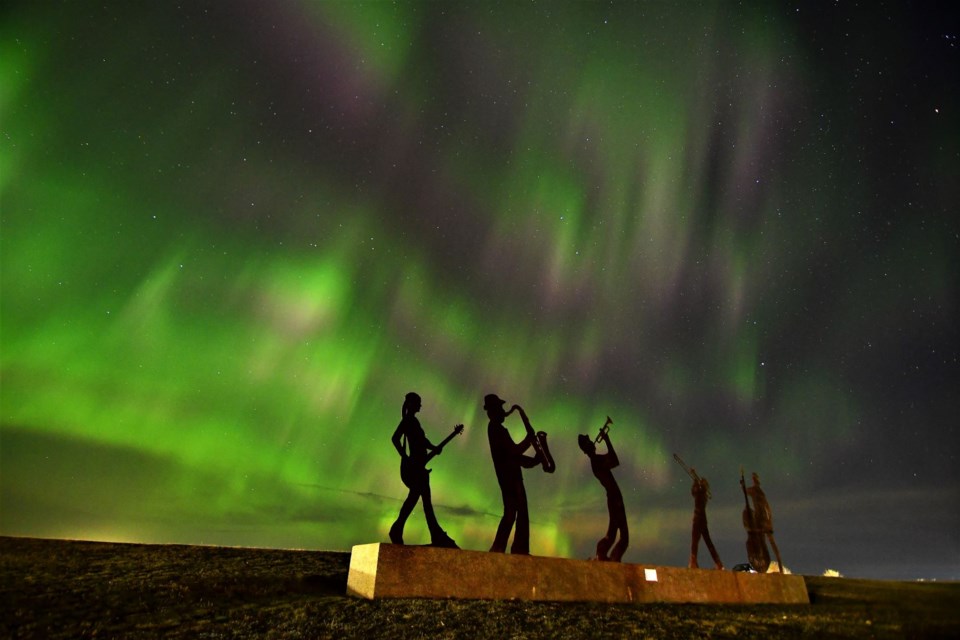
(605, 429)
(538, 439)
(693, 474)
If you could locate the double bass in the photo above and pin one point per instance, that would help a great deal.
(757, 552)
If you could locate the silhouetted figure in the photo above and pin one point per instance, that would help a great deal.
(757, 551)
(602, 465)
(701, 494)
(762, 516)
(508, 462)
(414, 473)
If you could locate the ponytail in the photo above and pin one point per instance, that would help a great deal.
(407, 401)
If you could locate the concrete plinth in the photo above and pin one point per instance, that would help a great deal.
(398, 571)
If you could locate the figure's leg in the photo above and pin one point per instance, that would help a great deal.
(432, 525)
(603, 546)
(521, 536)
(604, 543)
(438, 537)
(776, 552)
(506, 522)
(694, 544)
(711, 548)
(621, 547)
(764, 553)
(396, 531)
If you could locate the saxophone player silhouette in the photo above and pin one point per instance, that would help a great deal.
(508, 462)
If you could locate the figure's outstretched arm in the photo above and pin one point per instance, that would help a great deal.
(528, 462)
(614, 460)
(524, 444)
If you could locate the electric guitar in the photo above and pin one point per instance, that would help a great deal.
(410, 469)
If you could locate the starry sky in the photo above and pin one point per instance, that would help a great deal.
(235, 234)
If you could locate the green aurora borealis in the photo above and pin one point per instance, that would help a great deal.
(235, 235)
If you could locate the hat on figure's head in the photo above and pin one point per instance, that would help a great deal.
(492, 400)
(585, 442)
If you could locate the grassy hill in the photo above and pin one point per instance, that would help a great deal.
(70, 589)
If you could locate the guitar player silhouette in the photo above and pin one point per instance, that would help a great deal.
(414, 473)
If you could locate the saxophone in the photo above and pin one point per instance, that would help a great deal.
(538, 439)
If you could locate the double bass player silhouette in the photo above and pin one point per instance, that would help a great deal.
(762, 519)
(757, 552)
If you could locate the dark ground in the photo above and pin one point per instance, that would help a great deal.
(65, 589)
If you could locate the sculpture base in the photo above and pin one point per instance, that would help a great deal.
(399, 571)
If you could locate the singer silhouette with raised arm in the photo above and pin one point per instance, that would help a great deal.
(700, 490)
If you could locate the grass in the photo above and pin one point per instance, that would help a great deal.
(70, 589)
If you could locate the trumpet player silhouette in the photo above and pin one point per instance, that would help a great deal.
(414, 474)
(508, 462)
(602, 465)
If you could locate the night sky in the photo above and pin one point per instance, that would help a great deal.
(236, 233)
